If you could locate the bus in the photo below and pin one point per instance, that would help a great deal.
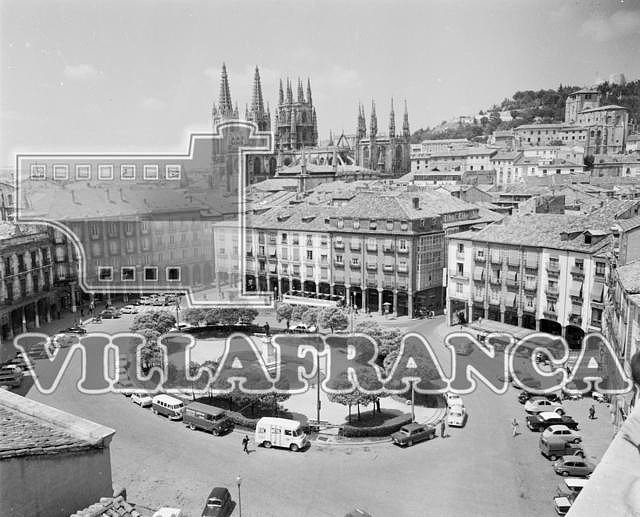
(165, 405)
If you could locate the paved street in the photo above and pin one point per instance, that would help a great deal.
(477, 470)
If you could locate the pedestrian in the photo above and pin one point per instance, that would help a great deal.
(592, 412)
(58, 314)
(245, 444)
(267, 329)
(81, 312)
(443, 428)
(514, 425)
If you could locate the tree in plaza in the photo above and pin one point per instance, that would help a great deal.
(247, 315)
(333, 318)
(387, 339)
(353, 398)
(310, 317)
(193, 315)
(283, 312)
(298, 312)
(161, 321)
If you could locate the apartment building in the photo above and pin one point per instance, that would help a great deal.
(34, 283)
(539, 271)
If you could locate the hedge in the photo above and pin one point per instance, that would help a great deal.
(390, 426)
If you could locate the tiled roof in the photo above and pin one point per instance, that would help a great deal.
(506, 155)
(542, 231)
(10, 230)
(554, 125)
(628, 224)
(629, 276)
(303, 217)
(274, 184)
(28, 428)
(109, 507)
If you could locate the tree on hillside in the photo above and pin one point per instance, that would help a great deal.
(333, 318)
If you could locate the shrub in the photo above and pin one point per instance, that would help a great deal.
(390, 426)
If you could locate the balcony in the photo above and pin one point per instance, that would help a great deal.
(574, 319)
(478, 297)
(530, 288)
(388, 283)
(403, 250)
(355, 246)
(372, 266)
(403, 269)
(372, 247)
(480, 258)
(550, 315)
(388, 268)
(338, 264)
(460, 255)
(355, 266)
(495, 280)
(496, 259)
(339, 245)
(387, 249)
(551, 292)
(553, 268)
(372, 282)
(577, 272)
(355, 280)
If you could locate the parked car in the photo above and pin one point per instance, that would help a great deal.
(168, 406)
(543, 420)
(554, 447)
(413, 433)
(109, 314)
(457, 416)
(527, 395)
(453, 399)
(129, 309)
(570, 487)
(562, 505)
(208, 418)
(562, 432)
(219, 503)
(142, 399)
(573, 466)
(165, 511)
(537, 405)
(74, 330)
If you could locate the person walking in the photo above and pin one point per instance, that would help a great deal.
(592, 412)
(245, 444)
(514, 426)
(267, 329)
(443, 427)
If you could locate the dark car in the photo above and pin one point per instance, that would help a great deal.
(543, 420)
(219, 503)
(413, 433)
(74, 330)
(109, 314)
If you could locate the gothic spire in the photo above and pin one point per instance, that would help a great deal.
(281, 94)
(373, 125)
(289, 92)
(224, 100)
(257, 103)
(405, 121)
(330, 138)
(392, 121)
(300, 91)
(309, 92)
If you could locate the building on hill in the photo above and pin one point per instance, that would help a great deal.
(606, 129)
(576, 102)
(616, 165)
(528, 135)
(388, 154)
(51, 463)
(503, 162)
(503, 139)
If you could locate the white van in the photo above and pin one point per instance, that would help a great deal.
(280, 432)
(168, 406)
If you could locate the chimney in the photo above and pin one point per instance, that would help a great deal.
(416, 203)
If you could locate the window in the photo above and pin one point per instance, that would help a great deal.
(105, 273)
(173, 274)
(127, 172)
(459, 287)
(579, 264)
(105, 172)
(356, 224)
(460, 269)
(404, 225)
(284, 238)
(339, 259)
(355, 261)
(551, 306)
(309, 255)
(38, 172)
(402, 245)
(461, 248)
(309, 241)
(324, 239)
(373, 225)
(151, 274)
(83, 172)
(340, 223)
(389, 225)
(296, 239)
(600, 268)
(173, 172)
(323, 258)
(150, 172)
(128, 274)
(60, 172)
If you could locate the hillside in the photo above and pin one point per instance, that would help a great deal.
(530, 106)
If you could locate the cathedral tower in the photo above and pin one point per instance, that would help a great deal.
(296, 123)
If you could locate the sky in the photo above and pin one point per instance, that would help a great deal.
(138, 75)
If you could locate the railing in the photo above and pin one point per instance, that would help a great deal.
(403, 250)
(553, 268)
(372, 247)
(479, 258)
(339, 245)
(576, 271)
(550, 315)
(551, 291)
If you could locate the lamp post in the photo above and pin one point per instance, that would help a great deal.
(413, 402)
(177, 314)
(239, 482)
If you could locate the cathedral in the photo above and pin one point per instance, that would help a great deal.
(388, 154)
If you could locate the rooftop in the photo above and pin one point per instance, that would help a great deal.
(109, 507)
(29, 428)
(604, 108)
(629, 276)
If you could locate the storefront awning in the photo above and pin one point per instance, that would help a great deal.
(576, 289)
(598, 289)
(478, 273)
(510, 299)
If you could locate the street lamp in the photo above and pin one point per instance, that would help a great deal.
(239, 482)
(413, 402)
(177, 314)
